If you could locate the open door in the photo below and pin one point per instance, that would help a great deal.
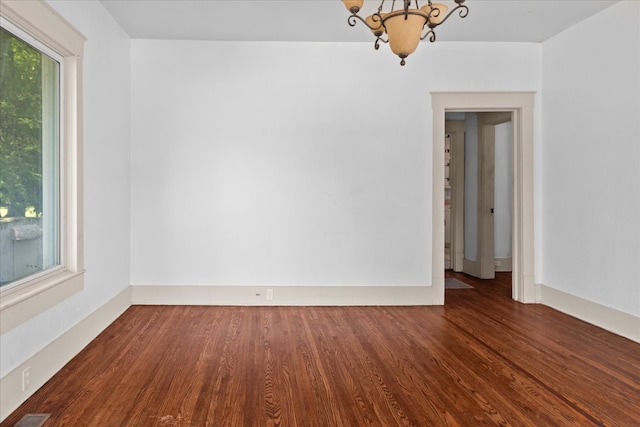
(484, 264)
(487, 123)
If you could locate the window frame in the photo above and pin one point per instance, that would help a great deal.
(42, 291)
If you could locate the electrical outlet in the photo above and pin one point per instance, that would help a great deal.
(26, 378)
(269, 294)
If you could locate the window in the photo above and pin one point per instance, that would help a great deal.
(41, 245)
(29, 159)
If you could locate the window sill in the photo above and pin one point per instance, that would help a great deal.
(25, 302)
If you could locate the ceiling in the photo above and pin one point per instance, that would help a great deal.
(326, 20)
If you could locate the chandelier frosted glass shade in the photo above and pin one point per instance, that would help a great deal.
(352, 5)
(405, 27)
(404, 32)
(374, 22)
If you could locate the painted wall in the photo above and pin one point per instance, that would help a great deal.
(106, 173)
(590, 153)
(269, 163)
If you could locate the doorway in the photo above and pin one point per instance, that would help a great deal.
(483, 191)
(520, 106)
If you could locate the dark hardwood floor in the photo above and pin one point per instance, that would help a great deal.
(480, 360)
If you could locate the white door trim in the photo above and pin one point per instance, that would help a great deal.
(455, 128)
(521, 106)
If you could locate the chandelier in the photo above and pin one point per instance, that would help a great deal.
(403, 28)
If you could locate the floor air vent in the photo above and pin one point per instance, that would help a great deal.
(33, 420)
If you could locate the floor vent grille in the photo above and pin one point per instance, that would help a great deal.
(33, 420)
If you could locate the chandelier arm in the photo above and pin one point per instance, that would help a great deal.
(431, 34)
(352, 21)
(462, 9)
(380, 39)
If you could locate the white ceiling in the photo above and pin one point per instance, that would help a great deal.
(326, 20)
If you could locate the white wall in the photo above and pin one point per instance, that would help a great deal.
(591, 160)
(293, 163)
(106, 192)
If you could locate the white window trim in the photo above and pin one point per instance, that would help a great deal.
(25, 301)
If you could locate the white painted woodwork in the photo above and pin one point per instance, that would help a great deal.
(455, 130)
(520, 105)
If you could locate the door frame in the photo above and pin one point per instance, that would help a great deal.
(520, 104)
(455, 128)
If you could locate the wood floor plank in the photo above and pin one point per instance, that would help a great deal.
(480, 360)
(576, 376)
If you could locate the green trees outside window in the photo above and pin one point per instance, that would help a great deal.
(20, 127)
(29, 159)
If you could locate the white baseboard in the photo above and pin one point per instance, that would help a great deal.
(504, 264)
(48, 361)
(612, 320)
(53, 357)
(282, 295)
